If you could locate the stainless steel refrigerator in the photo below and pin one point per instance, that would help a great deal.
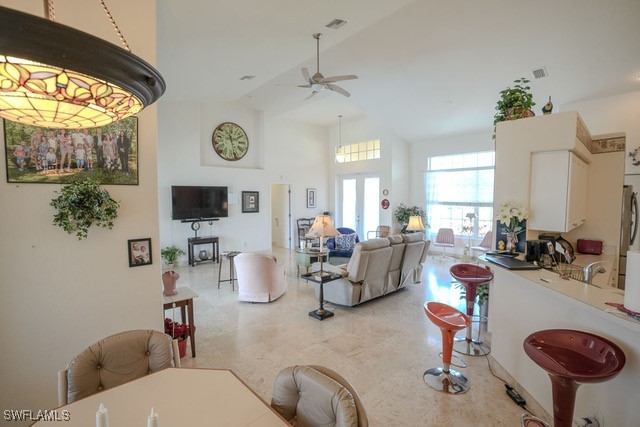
(628, 231)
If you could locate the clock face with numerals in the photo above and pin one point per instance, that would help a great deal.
(230, 141)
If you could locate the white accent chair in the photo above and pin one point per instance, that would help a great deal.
(260, 278)
(115, 360)
(485, 245)
(445, 239)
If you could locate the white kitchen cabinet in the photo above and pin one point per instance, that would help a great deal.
(558, 193)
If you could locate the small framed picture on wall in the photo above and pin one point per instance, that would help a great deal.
(250, 201)
(139, 252)
(311, 197)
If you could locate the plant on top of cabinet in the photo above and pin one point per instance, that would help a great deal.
(81, 204)
(514, 103)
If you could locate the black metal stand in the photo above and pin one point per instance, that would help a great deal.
(321, 313)
(321, 278)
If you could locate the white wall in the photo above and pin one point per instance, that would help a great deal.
(59, 295)
(280, 151)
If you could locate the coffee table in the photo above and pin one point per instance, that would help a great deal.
(306, 257)
(321, 313)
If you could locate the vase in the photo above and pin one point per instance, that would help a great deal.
(182, 347)
(512, 242)
(203, 255)
(169, 279)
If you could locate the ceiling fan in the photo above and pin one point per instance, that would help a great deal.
(318, 82)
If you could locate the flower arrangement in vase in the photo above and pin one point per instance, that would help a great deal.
(178, 331)
(510, 215)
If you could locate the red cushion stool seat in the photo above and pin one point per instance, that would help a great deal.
(572, 358)
(470, 277)
(450, 321)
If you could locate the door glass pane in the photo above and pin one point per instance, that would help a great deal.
(371, 210)
(349, 203)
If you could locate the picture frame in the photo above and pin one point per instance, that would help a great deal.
(311, 197)
(107, 154)
(139, 252)
(250, 202)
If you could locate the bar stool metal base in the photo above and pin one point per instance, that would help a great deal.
(471, 348)
(452, 382)
(529, 420)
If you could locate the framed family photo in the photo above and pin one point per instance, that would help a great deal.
(139, 252)
(106, 155)
(250, 201)
(311, 197)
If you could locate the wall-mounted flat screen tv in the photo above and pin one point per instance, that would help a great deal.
(196, 202)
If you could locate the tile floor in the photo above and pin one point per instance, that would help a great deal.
(382, 347)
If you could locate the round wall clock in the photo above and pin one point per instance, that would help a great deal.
(230, 141)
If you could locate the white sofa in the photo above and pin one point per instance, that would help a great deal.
(376, 268)
(260, 278)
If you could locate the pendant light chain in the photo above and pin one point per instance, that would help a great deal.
(49, 10)
(113, 22)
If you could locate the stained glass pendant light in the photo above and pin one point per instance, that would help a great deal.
(55, 76)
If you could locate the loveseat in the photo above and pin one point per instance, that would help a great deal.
(377, 267)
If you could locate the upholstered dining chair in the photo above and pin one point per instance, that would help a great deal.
(115, 360)
(445, 239)
(314, 396)
(485, 245)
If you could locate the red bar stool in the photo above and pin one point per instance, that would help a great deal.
(471, 276)
(450, 321)
(571, 358)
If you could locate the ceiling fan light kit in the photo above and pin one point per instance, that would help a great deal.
(55, 76)
(318, 82)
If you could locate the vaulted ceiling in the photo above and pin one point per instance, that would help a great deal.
(425, 68)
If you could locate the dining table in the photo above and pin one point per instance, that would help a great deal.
(180, 397)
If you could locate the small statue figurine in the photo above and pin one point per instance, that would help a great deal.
(547, 107)
(502, 246)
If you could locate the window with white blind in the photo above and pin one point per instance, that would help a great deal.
(458, 186)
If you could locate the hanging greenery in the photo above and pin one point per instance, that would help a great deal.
(82, 204)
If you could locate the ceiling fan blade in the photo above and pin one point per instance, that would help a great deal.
(312, 95)
(337, 89)
(338, 78)
(306, 75)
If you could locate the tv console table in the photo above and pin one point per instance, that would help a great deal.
(205, 240)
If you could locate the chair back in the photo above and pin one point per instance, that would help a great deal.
(113, 361)
(445, 237)
(260, 278)
(486, 241)
(310, 396)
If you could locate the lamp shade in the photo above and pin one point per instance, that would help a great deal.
(55, 76)
(415, 223)
(323, 227)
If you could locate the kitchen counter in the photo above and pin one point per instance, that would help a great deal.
(525, 301)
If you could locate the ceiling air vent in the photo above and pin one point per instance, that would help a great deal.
(539, 73)
(336, 23)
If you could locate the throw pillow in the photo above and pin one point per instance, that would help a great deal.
(346, 242)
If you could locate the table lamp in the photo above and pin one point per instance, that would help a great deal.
(322, 227)
(415, 223)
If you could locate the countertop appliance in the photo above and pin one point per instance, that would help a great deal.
(628, 231)
(536, 250)
(556, 239)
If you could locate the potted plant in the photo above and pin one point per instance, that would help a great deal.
(514, 103)
(403, 212)
(170, 255)
(178, 331)
(81, 204)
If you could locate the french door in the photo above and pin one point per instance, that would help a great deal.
(359, 203)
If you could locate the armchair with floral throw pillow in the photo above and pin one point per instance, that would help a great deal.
(342, 245)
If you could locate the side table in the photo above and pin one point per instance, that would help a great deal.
(321, 313)
(232, 268)
(184, 299)
(192, 242)
(305, 257)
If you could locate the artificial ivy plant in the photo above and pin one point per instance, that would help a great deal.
(514, 103)
(81, 204)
